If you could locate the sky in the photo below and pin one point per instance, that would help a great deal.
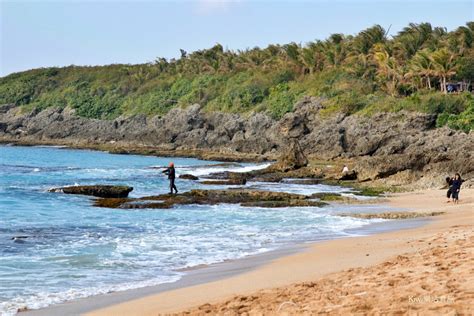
(44, 33)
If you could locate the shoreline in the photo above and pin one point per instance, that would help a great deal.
(318, 261)
(220, 273)
(121, 148)
(203, 274)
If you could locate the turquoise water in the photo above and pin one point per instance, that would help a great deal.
(74, 250)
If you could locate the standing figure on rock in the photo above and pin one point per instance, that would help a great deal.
(171, 176)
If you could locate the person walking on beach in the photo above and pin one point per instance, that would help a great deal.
(449, 182)
(171, 176)
(456, 187)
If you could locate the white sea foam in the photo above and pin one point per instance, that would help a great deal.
(50, 146)
(45, 299)
(207, 170)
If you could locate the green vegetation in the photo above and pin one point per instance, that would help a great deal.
(365, 73)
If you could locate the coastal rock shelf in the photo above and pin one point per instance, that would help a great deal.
(225, 182)
(402, 148)
(103, 191)
(238, 196)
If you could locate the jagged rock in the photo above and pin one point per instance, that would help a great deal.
(292, 159)
(378, 144)
(104, 191)
(6, 107)
(237, 196)
(352, 175)
(373, 168)
(188, 177)
(237, 181)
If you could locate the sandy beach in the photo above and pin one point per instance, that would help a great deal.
(424, 270)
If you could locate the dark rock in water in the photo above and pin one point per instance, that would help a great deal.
(236, 196)
(226, 175)
(269, 177)
(349, 176)
(237, 181)
(104, 191)
(188, 177)
(292, 159)
(111, 202)
(303, 181)
(19, 239)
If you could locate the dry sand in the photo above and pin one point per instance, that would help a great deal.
(426, 270)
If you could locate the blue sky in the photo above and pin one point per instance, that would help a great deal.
(38, 33)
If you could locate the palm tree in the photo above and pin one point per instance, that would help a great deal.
(411, 39)
(444, 66)
(361, 65)
(366, 39)
(462, 39)
(292, 55)
(422, 66)
(388, 70)
(335, 49)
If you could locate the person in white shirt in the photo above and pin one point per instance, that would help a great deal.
(345, 170)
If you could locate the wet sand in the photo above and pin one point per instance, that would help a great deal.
(425, 270)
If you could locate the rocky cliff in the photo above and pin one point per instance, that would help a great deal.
(395, 148)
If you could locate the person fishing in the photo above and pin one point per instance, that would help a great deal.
(171, 176)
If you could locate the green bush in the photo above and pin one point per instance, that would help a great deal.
(281, 100)
(463, 121)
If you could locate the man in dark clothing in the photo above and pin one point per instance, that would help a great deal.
(449, 182)
(456, 187)
(171, 176)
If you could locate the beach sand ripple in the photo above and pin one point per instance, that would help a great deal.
(437, 280)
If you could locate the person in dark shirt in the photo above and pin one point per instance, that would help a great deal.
(456, 187)
(171, 176)
(449, 182)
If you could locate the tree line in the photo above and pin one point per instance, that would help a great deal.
(363, 73)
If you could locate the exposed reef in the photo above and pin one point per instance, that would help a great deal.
(235, 196)
(104, 191)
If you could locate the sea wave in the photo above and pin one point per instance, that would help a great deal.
(45, 299)
(207, 170)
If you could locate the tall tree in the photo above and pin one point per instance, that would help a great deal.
(422, 66)
(444, 65)
(388, 70)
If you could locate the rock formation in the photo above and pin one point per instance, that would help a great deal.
(398, 147)
(238, 196)
(104, 191)
(293, 158)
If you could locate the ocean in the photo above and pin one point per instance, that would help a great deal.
(56, 247)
